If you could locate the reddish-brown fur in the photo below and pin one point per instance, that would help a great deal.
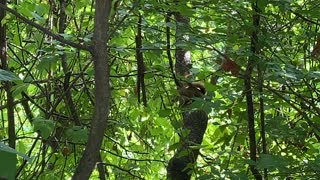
(189, 90)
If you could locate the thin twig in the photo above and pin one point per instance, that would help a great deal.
(46, 31)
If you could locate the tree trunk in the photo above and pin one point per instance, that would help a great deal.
(196, 123)
(7, 85)
(102, 91)
(180, 166)
(248, 91)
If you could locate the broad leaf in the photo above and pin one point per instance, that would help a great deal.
(45, 127)
(8, 76)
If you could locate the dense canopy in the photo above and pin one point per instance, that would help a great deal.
(159, 89)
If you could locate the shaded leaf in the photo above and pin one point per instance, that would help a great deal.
(271, 162)
(7, 165)
(45, 127)
(6, 148)
(77, 135)
(8, 76)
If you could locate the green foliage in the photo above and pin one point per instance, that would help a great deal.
(272, 162)
(43, 126)
(139, 140)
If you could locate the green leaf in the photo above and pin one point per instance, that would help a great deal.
(313, 74)
(174, 146)
(7, 165)
(164, 112)
(17, 89)
(205, 177)
(42, 8)
(250, 162)
(37, 17)
(8, 76)
(262, 4)
(6, 148)
(24, 9)
(271, 162)
(45, 127)
(46, 62)
(77, 134)
(185, 10)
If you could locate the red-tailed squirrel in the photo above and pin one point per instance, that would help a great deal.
(188, 91)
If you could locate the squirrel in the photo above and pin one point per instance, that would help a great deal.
(188, 91)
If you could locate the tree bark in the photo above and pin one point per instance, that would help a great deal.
(7, 85)
(248, 90)
(183, 56)
(102, 91)
(180, 167)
